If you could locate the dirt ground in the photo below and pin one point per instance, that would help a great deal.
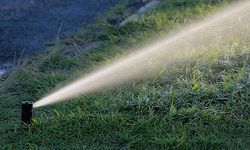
(25, 25)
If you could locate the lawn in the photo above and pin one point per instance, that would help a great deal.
(202, 103)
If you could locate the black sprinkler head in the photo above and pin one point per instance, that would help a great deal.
(26, 112)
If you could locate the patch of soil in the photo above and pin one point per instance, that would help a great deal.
(25, 25)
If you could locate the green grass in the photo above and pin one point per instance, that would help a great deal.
(203, 103)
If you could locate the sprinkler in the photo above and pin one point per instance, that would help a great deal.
(26, 112)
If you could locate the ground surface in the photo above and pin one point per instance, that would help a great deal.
(199, 103)
(25, 25)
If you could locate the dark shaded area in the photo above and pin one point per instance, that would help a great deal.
(25, 25)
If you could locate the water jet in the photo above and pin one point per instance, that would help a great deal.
(183, 44)
(26, 115)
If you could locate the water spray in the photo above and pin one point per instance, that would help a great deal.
(26, 116)
(182, 44)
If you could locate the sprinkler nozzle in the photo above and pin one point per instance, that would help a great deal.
(26, 112)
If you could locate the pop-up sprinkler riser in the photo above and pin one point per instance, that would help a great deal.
(26, 116)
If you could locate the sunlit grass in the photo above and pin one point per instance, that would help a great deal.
(202, 103)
